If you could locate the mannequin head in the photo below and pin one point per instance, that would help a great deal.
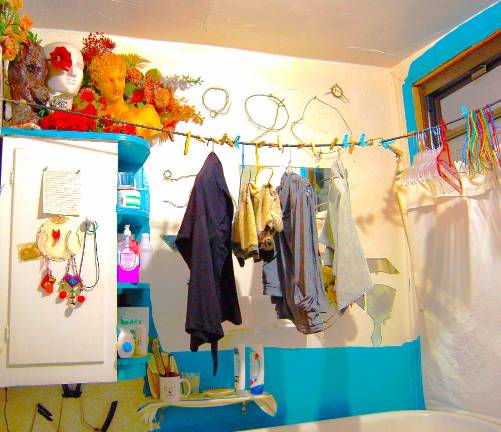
(65, 82)
(107, 72)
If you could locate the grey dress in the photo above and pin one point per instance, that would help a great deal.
(294, 277)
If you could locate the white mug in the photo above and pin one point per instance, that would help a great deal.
(170, 388)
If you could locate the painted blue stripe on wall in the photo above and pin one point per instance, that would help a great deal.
(463, 37)
(309, 384)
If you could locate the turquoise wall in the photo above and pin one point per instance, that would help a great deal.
(463, 37)
(309, 384)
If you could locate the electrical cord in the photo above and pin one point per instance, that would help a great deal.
(5, 410)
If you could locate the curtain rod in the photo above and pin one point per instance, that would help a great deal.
(170, 132)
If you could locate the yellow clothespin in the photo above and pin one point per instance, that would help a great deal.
(314, 149)
(187, 143)
(352, 146)
(279, 144)
(257, 154)
(226, 140)
(334, 143)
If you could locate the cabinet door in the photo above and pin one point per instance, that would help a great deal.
(48, 343)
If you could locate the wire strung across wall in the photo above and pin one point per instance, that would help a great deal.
(385, 142)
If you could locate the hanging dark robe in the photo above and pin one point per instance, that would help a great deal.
(204, 241)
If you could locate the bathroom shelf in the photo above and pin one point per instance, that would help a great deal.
(136, 218)
(129, 286)
(132, 368)
(266, 402)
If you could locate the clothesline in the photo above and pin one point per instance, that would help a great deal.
(347, 143)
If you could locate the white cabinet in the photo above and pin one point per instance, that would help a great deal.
(41, 342)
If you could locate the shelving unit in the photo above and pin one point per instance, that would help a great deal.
(132, 153)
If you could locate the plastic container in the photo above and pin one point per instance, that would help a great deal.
(239, 368)
(145, 257)
(125, 343)
(256, 381)
(128, 259)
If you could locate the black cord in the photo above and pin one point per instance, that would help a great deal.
(96, 257)
(5, 410)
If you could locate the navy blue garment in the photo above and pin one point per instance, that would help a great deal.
(204, 241)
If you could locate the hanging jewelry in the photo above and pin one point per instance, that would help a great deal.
(48, 280)
(70, 286)
(90, 230)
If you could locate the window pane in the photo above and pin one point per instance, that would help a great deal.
(476, 94)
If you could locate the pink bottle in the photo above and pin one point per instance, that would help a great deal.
(128, 259)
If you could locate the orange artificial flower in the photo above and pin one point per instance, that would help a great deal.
(25, 22)
(161, 98)
(9, 49)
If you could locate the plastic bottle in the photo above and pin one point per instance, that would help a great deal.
(126, 345)
(128, 260)
(256, 381)
(145, 256)
(239, 369)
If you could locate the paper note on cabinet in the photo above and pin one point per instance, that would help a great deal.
(61, 193)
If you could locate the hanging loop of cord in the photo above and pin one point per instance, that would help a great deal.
(214, 112)
(279, 104)
(90, 230)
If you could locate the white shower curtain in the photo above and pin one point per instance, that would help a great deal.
(455, 245)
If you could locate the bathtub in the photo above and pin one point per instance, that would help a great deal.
(395, 421)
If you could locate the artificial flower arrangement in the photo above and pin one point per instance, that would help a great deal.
(14, 29)
(141, 89)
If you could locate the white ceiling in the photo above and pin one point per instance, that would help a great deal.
(375, 32)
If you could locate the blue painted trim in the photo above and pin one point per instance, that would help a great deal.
(58, 134)
(463, 37)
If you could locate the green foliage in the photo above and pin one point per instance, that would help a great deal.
(129, 89)
(134, 61)
(34, 38)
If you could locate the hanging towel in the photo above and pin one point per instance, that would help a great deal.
(257, 220)
(343, 249)
(204, 241)
(294, 277)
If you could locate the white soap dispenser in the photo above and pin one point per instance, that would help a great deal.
(125, 343)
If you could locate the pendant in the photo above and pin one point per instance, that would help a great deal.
(70, 288)
(56, 235)
(47, 283)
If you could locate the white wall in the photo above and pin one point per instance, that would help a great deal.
(371, 110)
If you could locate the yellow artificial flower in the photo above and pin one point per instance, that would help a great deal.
(15, 4)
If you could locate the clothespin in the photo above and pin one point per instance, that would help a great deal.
(257, 154)
(362, 142)
(187, 143)
(352, 146)
(261, 143)
(346, 144)
(386, 144)
(334, 143)
(314, 149)
(236, 142)
(279, 144)
(226, 140)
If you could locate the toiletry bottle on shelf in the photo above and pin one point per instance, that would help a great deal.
(128, 258)
(239, 369)
(125, 345)
(256, 381)
(145, 257)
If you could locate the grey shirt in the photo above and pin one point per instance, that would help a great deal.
(294, 277)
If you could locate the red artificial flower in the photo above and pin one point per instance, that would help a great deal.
(95, 44)
(61, 58)
(87, 95)
(137, 96)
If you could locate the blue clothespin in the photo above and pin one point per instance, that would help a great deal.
(464, 110)
(345, 141)
(386, 144)
(362, 142)
(236, 142)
